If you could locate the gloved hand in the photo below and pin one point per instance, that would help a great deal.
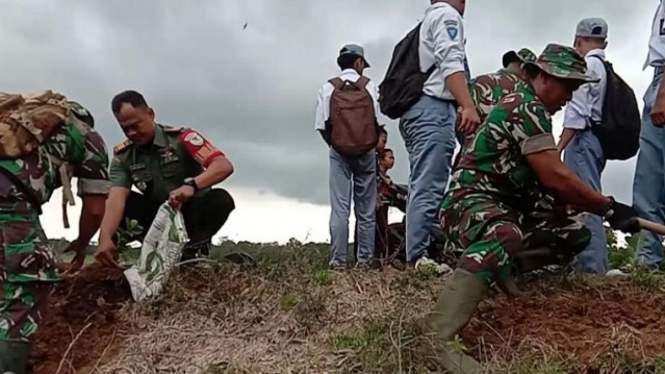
(622, 217)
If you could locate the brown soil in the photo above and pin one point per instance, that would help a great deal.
(582, 325)
(88, 301)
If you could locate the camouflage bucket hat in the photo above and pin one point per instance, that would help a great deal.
(524, 55)
(564, 62)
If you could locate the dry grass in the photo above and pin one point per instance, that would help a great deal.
(294, 316)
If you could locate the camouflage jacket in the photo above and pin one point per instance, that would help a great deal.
(486, 90)
(494, 165)
(74, 143)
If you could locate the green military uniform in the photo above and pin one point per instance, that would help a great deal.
(27, 265)
(161, 167)
(486, 90)
(493, 191)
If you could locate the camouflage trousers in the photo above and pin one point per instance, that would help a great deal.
(27, 271)
(492, 233)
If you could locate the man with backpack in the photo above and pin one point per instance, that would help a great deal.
(649, 182)
(593, 133)
(31, 168)
(583, 153)
(346, 112)
(426, 80)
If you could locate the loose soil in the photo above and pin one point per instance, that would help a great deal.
(87, 305)
(582, 325)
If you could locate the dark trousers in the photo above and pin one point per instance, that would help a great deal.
(205, 214)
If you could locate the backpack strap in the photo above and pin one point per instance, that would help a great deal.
(361, 82)
(337, 82)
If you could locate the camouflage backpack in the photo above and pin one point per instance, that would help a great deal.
(27, 120)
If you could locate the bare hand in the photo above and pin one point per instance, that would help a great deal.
(468, 120)
(107, 254)
(79, 256)
(658, 113)
(179, 196)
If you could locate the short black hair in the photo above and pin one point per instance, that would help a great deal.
(383, 153)
(346, 61)
(130, 97)
(382, 130)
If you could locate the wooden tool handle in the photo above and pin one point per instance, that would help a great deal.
(652, 226)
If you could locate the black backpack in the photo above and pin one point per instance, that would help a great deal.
(404, 81)
(619, 130)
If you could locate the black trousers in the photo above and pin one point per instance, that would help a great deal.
(205, 214)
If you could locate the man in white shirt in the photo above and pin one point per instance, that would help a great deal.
(428, 127)
(350, 176)
(583, 152)
(649, 182)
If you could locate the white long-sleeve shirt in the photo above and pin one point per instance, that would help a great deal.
(442, 43)
(326, 90)
(656, 55)
(587, 102)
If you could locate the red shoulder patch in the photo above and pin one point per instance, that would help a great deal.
(199, 147)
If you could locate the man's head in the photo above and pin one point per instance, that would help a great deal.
(591, 33)
(387, 159)
(514, 60)
(459, 5)
(383, 139)
(557, 73)
(352, 56)
(135, 117)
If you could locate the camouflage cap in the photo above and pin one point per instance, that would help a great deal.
(523, 55)
(564, 62)
(81, 113)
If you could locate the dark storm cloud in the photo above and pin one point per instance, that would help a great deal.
(252, 91)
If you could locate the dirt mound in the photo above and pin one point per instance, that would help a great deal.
(81, 325)
(587, 325)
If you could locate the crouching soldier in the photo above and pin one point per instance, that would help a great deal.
(501, 176)
(31, 168)
(177, 165)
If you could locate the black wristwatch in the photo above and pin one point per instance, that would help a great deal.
(192, 183)
(609, 210)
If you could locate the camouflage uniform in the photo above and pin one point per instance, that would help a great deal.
(486, 90)
(174, 155)
(488, 208)
(27, 266)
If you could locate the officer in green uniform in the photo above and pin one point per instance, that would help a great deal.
(177, 165)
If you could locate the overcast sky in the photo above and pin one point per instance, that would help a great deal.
(253, 91)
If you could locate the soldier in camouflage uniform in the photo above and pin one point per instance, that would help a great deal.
(166, 164)
(501, 175)
(487, 89)
(27, 266)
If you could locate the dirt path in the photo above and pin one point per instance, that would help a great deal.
(81, 326)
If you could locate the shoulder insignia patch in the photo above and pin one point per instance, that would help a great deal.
(122, 146)
(173, 130)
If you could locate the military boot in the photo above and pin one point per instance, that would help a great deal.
(14, 356)
(456, 306)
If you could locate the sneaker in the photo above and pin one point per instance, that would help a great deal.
(336, 265)
(426, 264)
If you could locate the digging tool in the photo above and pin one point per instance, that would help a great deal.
(652, 226)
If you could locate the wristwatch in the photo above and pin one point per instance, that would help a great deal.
(192, 183)
(609, 210)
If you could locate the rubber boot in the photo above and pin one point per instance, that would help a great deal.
(14, 356)
(456, 306)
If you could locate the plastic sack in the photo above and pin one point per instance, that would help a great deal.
(160, 251)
